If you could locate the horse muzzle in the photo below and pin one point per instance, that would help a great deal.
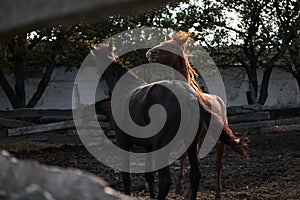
(152, 56)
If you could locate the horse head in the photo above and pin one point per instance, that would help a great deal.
(103, 53)
(169, 51)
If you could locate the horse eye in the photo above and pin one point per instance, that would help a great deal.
(172, 46)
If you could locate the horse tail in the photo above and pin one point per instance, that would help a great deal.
(238, 144)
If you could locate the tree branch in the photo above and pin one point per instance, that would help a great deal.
(41, 87)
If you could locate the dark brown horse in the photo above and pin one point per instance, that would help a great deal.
(102, 107)
(142, 99)
(171, 53)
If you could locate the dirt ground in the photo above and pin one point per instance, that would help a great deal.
(272, 172)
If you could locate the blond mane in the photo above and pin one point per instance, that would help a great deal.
(191, 72)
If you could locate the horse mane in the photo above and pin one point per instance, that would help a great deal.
(181, 36)
(192, 74)
(118, 63)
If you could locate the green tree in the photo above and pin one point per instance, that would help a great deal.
(45, 49)
(62, 46)
(251, 38)
(288, 22)
(251, 32)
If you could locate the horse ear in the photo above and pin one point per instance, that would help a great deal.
(111, 45)
(91, 49)
(183, 41)
(167, 36)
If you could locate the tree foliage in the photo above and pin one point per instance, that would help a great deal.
(255, 34)
(44, 49)
(288, 22)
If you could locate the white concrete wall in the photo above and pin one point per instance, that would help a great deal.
(57, 95)
(283, 89)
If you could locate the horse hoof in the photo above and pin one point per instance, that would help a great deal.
(178, 189)
(187, 197)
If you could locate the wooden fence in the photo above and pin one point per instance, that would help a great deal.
(257, 116)
(57, 126)
(45, 125)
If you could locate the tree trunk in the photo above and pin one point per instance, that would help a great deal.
(297, 77)
(253, 85)
(42, 86)
(17, 95)
(19, 85)
(8, 90)
(265, 85)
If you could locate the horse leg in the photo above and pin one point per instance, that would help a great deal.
(149, 174)
(219, 165)
(126, 182)
(180, 175)
(125, 145)
(195, 170)
(150, 180)
(110, 121)
(164, 182)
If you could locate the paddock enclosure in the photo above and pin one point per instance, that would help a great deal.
(48, 136)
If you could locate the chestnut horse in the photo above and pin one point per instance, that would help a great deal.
(142, 99)
(172, 53)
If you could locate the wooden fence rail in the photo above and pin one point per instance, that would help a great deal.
(16, 124)
(31, 113)
(40, 128)
(265, 123)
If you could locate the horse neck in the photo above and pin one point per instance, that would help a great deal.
(119, 71)
(182, 67)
